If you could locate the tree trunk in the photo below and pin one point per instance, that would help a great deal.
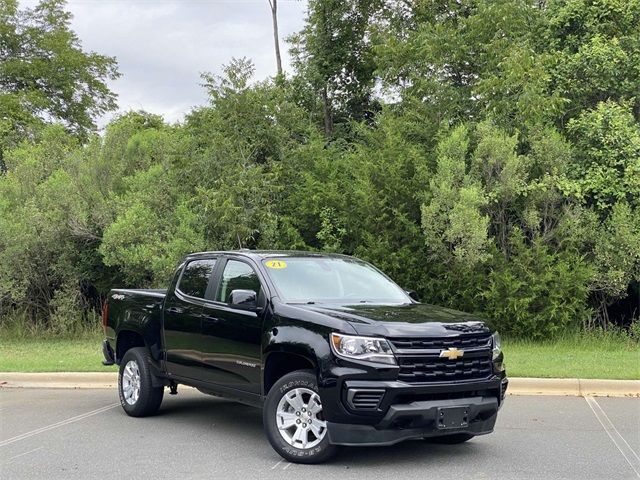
(274, 18)
(328, 119)
(603, 314)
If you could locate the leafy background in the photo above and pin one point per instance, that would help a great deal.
(485, 153)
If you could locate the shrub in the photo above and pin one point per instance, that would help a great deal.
(537, 293)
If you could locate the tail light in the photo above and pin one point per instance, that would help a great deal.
(105, 314)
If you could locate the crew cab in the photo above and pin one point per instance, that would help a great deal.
(332, 350)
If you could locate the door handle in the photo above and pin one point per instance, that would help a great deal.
(176, 310)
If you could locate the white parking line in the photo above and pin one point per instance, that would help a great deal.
(77, 418)
(25, 453)
(618, 440)
(284, 467)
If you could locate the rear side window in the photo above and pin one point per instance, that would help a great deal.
(195, 277)
(237, 276)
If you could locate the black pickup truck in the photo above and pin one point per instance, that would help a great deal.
(333, 351)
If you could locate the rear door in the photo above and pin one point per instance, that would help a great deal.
(231, 334)
(183, 317)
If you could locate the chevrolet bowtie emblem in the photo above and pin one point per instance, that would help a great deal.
(452, 353)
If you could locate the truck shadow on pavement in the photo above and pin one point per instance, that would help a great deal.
(204, 410)
(405, 453)
(210, 417)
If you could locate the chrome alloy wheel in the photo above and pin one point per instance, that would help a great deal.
(131, 382)
(299, 418)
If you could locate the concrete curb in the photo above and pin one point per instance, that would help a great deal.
(517, 386)
(575, 387)
(59, 380)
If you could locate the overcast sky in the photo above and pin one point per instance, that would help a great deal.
(162, 46)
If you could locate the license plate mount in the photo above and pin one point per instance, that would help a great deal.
(452, 417)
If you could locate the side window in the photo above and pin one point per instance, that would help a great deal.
(237, 276)
(195, 277)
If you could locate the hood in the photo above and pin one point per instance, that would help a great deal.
(404, 320)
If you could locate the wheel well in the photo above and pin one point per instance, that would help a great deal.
(126, 340)
(280, 363)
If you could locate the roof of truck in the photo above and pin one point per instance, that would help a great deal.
(260, 254)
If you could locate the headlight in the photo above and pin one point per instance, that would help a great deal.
(495, 340)
(362, 348)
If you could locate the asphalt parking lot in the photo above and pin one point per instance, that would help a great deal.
(85, 434)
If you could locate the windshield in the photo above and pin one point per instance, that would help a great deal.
(331, 280)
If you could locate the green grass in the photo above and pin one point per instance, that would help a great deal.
(586, 356)
(53, 354)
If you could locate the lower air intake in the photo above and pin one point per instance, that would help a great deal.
(364, 399)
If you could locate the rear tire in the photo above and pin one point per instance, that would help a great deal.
(454, 439)
(294, 400)
(138, 396)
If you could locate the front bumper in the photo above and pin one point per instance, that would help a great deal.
(417, 420)
(363, 406)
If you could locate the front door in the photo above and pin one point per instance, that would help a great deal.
(232, 334)
(183, 318)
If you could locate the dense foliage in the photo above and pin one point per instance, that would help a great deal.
(45, 75)
(484, 153)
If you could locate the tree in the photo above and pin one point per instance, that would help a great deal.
(607, 140)
(595, 52)
(452, 218)
(273, 4)
(45, 76)
(463, 60)
(499, 174)
(333, 56)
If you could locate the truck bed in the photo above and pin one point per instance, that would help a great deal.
(136, 311)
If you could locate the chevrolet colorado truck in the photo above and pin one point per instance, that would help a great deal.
(332, 350)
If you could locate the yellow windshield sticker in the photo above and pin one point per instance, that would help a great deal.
(277, 264)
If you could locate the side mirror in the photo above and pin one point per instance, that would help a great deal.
(243, 298)
(413, 295)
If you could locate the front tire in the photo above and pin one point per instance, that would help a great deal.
(138, 396)
(294, 421)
